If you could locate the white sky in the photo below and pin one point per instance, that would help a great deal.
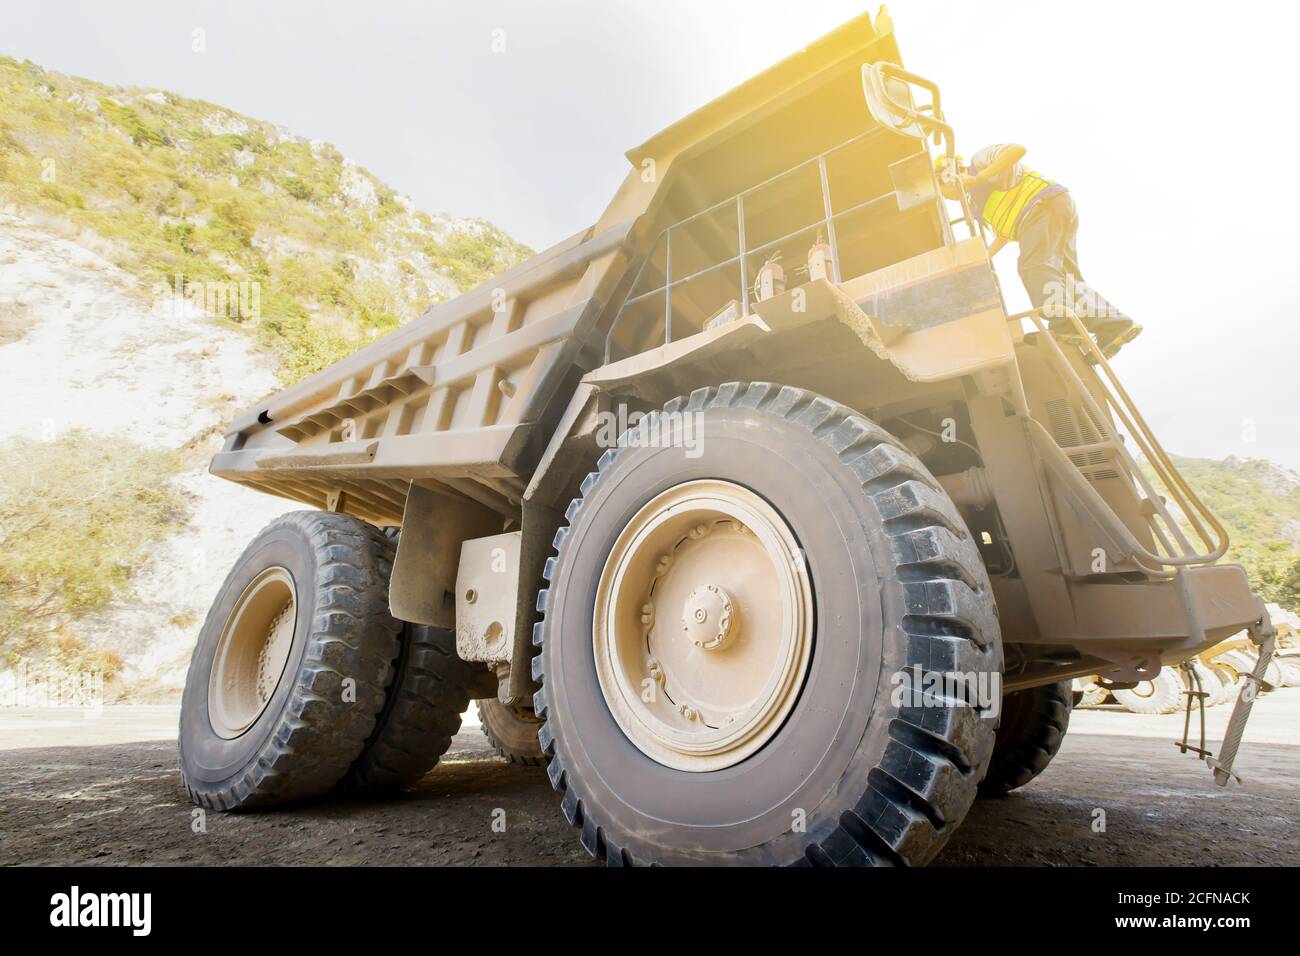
(1173, 124)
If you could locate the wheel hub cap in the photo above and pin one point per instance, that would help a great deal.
(708, 617)
(703, 626)
(252, 652)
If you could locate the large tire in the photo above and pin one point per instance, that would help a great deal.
(1033, 726)
(1163, 695)
(1211, 685)
(1228, 680)
(851, 776)
(1088, 693)
(512, 731)
(1288, 669)
(429, 691)
(318, 583)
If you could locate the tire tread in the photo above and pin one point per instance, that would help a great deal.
(352, 636)
(931, 769)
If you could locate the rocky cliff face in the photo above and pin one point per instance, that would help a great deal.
(163, 263)
(90, 358)
(190, 197)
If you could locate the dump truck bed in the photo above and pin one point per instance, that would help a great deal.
(455, 398)
(463, 400)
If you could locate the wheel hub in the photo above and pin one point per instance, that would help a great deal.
(703, 625)
(269, 659)
(707, 620)
(252, 652)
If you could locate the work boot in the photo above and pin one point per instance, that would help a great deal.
(1064, 331)
(1114, 335)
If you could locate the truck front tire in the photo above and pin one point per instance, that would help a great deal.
(869, 570)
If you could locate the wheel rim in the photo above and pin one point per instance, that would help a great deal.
(703, 626)
(252, 653)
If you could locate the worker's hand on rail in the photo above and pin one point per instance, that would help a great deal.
(949, 172)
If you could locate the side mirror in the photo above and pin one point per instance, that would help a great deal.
(887, 89)
(889, 100)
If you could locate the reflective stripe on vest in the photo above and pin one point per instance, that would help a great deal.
(1002, 209)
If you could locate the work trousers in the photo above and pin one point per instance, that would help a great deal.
(1049, 263)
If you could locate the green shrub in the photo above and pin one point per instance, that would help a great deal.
(304, 346)
(181, 233)
(298, 189)
(78, 517)
(141, 133)
(1259, 505)
(63, 195)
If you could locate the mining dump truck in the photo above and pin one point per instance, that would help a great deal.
(748, 512)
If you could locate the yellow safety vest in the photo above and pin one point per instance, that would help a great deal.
(1003, 208)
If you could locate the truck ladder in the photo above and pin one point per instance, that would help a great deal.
(1174, 549)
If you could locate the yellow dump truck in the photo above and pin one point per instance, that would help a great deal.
(748, 511)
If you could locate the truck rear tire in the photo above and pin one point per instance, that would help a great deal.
(290, 666)
(1032, 729)
(805, 567)
(429, 691)
(512, 731)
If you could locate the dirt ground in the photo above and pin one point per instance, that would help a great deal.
(111, 799)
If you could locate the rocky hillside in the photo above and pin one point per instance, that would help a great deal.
(179, 192)
(1259, 504)
(163, 263)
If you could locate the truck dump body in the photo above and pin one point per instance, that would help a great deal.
(452, 398)
(461, 401)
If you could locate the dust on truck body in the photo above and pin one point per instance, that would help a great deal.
(697, 492)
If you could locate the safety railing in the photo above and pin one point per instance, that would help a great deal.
(892, 115)
(827, 221)
(1174, 548)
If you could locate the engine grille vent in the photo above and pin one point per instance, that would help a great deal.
(1073, 426)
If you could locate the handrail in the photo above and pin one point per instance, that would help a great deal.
(1058, 462)
(1214, 537)
(737, 200)
(928, 118)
